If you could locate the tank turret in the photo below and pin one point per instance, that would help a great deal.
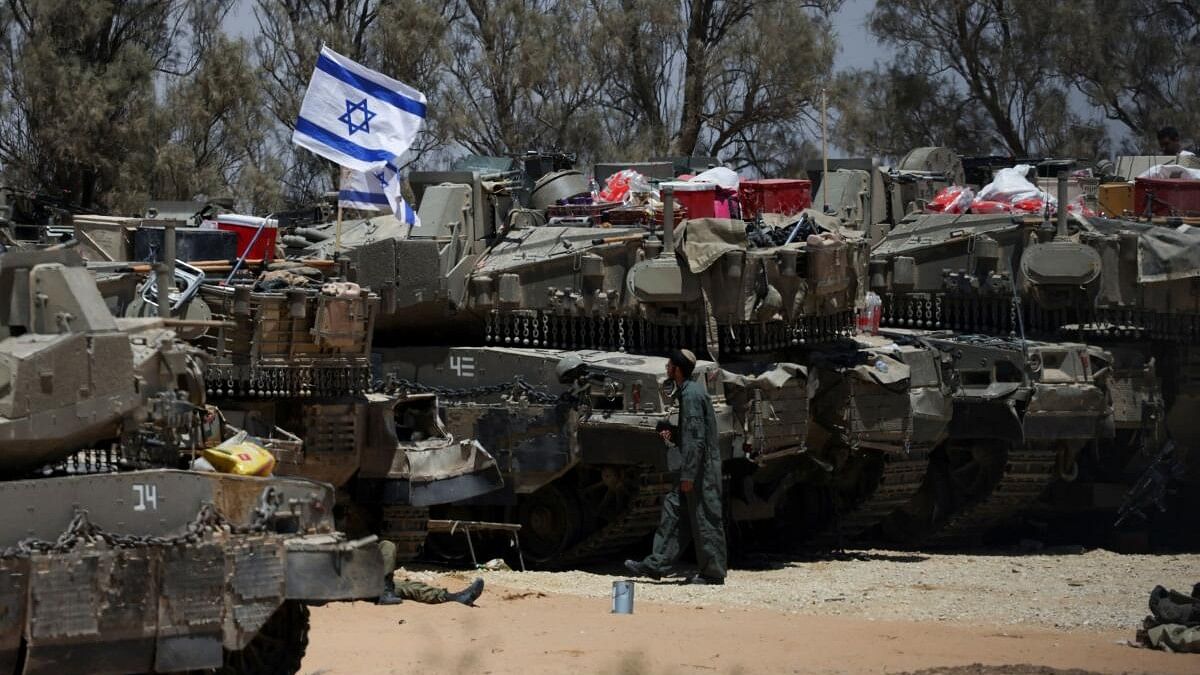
(72, 375)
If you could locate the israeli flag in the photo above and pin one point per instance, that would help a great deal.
(355, 116)
(377, 190)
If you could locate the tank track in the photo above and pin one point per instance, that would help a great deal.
(639, 520)
(1027, 474)
(407, 526)
(899, 481)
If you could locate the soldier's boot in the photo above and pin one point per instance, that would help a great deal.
(641, 569)
(389, 597)
(387, 550)
(468, 595)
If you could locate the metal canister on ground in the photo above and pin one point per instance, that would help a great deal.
(622, 597)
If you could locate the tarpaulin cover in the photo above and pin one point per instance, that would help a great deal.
(1164, 253)
(704, 240)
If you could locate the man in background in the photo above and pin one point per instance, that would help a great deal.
(1169, 143)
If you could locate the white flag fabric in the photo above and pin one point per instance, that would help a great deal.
(355, 116)
(365, 191)
(378, 190)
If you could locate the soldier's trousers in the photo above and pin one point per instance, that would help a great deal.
(408, 589)
(687, 518)
(419, 592)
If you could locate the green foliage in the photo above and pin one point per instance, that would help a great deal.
(1138, 61)
(82, 102)
(111, 102)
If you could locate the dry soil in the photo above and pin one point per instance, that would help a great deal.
(869, 611)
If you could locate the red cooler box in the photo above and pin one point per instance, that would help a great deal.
(245, 227)
(788, 196)
(698, 198)
(1172, 196)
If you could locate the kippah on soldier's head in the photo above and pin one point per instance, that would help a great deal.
(684, 360)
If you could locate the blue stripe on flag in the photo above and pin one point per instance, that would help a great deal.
(327, 137)
(409, 216)
(374, 89)
(363, 197)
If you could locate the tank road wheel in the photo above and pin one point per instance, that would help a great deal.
(278, 648)
(550, 523)
(976, 468)
(606, 492)
(959, 475)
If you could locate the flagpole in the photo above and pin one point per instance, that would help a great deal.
(824, 155)
(337, 232)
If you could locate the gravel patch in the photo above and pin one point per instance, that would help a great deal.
(1095, 589)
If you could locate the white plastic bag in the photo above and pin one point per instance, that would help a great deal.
(1170, 171)
(1010, 185)
(723, 176)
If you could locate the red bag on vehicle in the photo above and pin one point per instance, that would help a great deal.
(1029, 205)
(988, 206)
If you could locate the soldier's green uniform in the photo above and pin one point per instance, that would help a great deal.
(407, 589)
(415, 590)
(696, 515)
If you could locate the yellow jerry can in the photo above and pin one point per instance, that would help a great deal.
(241, 457)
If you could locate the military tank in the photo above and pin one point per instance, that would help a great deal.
(544, 339)
(117, 556)
(1109, 304)
(290, 359)
(541, 331)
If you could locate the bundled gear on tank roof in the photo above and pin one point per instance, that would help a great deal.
(284, 275)
(762, 234)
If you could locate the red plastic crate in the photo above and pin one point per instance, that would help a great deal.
(1172, 196)
(698, 198)
(788, 196)
(245, 227)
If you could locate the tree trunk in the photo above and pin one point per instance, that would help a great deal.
(695, 76)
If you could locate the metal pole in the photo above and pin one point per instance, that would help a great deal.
(824, 154)
(668, 234)
(1062, 204)
(163, 282)
(337, 231)
(166, 269)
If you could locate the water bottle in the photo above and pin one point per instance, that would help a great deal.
(869, 315)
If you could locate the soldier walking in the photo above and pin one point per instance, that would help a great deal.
(692, 511)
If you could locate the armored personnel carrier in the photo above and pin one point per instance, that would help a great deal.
(117, 557)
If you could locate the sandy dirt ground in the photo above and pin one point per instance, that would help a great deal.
(869, 612)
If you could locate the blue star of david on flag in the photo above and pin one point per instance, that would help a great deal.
(348, 118)
(355, 116)
(382, 178)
